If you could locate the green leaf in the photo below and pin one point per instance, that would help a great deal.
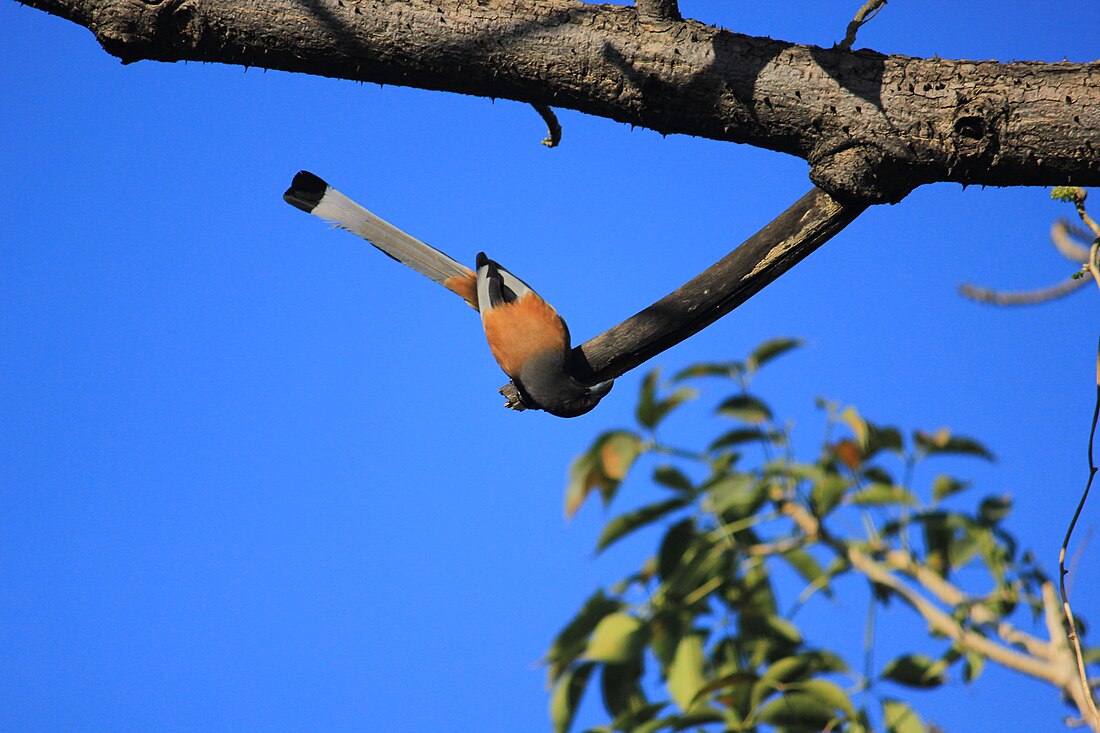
(702, 563)
(883, 437)
(646, 412)
(877, 475)
(618, 638)
(651, 410)
(973, 666)
(618, 451)
(770, 626)
(797, 710)
(586, 473)
(914, 670)
(938, 537)
(944, 486)
(745, 408)
(739, 494)
(850, 417)
(900, 718)
(942, 441)
(827, 492)
(639, 718)
(830, 694)
(799, 667)
(883, 495)
(806, 566)
(740, 436)
(675, 543)
(619, 684)
(685, 674)
(769, 350)
(567, 696)
(994, 508)
(571, 641)
(673, 478)
(624, 524)
(726, 369)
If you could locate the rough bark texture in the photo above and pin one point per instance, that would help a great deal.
(871, 126)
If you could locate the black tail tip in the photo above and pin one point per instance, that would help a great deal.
(482, 259)
(305, 191)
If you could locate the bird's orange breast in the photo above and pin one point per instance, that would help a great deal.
(522, 329)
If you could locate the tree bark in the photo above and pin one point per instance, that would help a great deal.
(871, 126)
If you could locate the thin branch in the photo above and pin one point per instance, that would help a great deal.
(1021, 297)
(944, 624)
(863, 15)
(951, 596)
(1033, 665)
(1063, 234)
(553, 127)
(1074, 637)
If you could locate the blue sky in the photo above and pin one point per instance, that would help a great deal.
(256, 476)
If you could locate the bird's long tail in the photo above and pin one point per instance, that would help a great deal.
(314, 196)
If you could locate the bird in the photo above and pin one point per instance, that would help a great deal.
(526, 336)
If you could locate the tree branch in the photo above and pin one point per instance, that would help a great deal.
(662, 9)
(1021, 297)
(944, 624)
(951, 596)
(871, 126)
(793, 235)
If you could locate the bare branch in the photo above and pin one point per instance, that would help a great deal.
(1021, 297)
(951, 596)
(871, 126)
(1074, 637)
(1062, 234)
(1069, 241)
(863, 15)
(944, 624)
(793, 235)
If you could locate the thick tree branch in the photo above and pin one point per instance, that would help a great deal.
(663, 9)
(871, 126)
(793, 235)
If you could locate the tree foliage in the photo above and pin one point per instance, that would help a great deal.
(701, 635)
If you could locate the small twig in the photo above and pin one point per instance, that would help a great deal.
(1063, 235)
(1072, 625)
(1068, 240)
(1021, 297)
(553, 127)
(869, 10)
